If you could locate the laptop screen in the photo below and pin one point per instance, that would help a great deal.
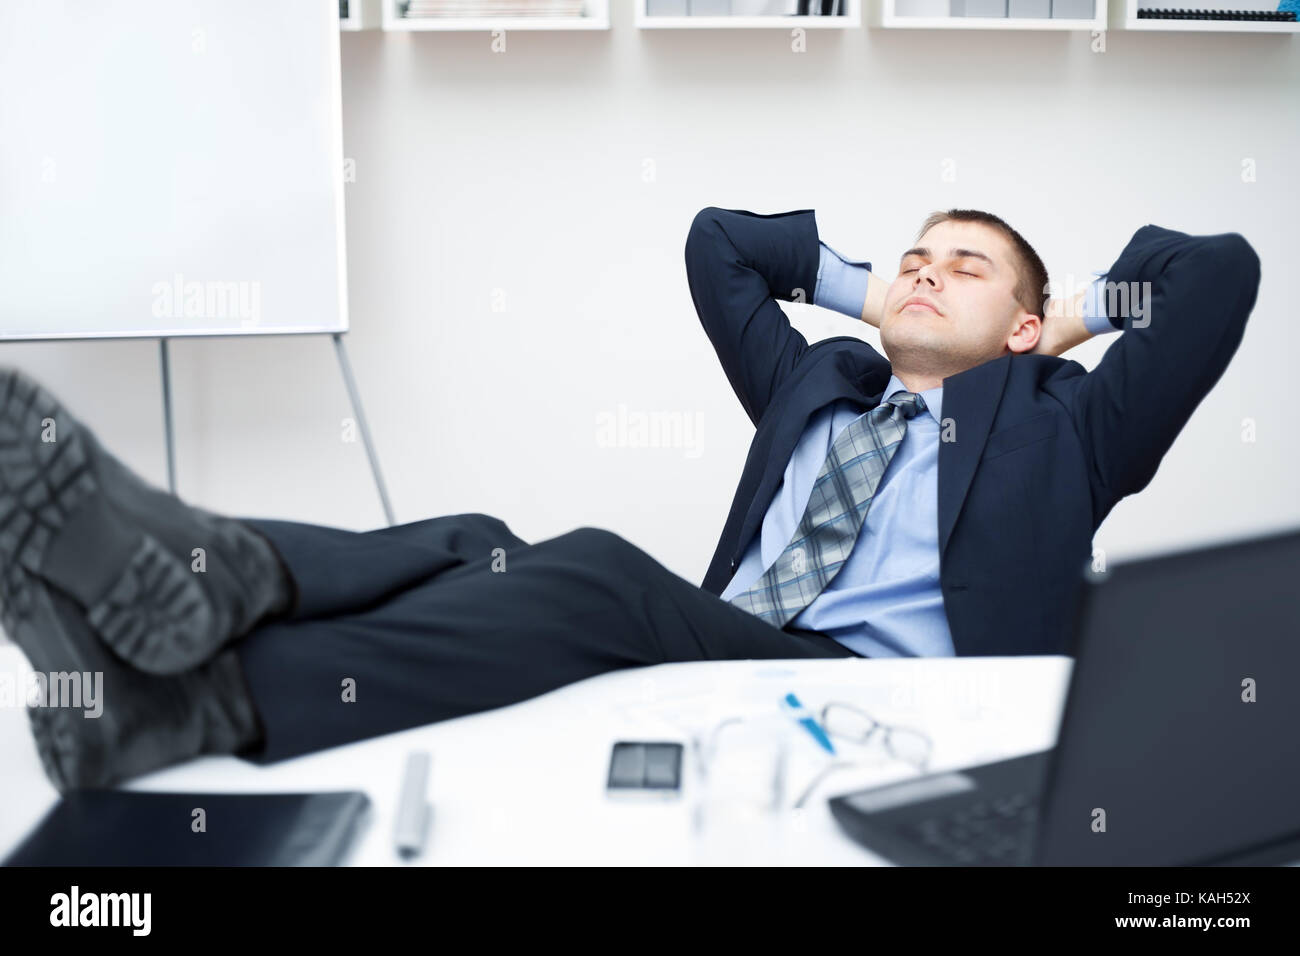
(1178, 742)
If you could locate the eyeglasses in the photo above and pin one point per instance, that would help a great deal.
(845, 722)
(854, 725)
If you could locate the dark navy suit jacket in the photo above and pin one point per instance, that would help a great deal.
(1043, 448)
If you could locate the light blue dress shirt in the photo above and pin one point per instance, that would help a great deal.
(885, 601)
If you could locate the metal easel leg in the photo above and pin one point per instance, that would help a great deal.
(355, 398)
(167, 416)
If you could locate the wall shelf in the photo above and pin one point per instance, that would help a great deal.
(595, 17)
(851, 19)
(1132, 22)
(373, 14)
(888, 18)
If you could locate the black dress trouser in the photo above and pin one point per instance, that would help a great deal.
(456, 614)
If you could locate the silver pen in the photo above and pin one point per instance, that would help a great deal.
(413, 809)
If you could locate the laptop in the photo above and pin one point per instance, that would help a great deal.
(1177, 743)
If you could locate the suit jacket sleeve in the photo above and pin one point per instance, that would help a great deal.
(738, 263)
(1131, 407)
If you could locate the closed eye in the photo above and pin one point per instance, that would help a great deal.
(959, 272)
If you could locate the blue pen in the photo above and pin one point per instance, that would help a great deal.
(800, 713)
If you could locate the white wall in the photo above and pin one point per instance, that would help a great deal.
(525, 172)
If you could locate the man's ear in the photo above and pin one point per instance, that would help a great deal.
(1028, 330)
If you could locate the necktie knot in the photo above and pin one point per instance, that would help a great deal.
(910, 404)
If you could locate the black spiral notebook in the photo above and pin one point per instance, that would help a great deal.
(140, 828)
(1180, 13)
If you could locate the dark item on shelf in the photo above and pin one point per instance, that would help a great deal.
(1278, 16)
(825, 8)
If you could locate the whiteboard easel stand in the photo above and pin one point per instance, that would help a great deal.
(354, 397)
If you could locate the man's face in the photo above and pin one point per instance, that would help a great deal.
(965, 271)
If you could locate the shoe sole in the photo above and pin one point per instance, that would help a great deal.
(57, 523)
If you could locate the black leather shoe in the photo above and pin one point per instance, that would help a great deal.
(100, 721)
(125, 552)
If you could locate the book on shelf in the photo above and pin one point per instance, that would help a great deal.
(1248, 10)
(420, 9)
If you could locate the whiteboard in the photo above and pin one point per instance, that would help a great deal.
(170, 168)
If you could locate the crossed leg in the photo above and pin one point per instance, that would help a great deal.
(456, 615)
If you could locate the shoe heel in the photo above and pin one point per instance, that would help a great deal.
(155, 615)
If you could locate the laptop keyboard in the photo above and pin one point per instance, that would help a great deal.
(998, 831)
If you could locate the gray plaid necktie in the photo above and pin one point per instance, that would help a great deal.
(836, 509)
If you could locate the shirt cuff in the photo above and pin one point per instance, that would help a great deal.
(841, 283)
(1095, 318)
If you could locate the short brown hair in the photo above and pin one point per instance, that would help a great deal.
(1031, 286)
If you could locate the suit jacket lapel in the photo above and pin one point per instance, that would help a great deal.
(970, 400)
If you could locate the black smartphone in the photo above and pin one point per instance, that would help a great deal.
(645, 768)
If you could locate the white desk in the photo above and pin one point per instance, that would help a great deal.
(525, 784)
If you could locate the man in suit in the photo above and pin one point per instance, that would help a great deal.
(940, 502)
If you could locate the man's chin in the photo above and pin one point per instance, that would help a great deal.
(913, 342)
(927, 354)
